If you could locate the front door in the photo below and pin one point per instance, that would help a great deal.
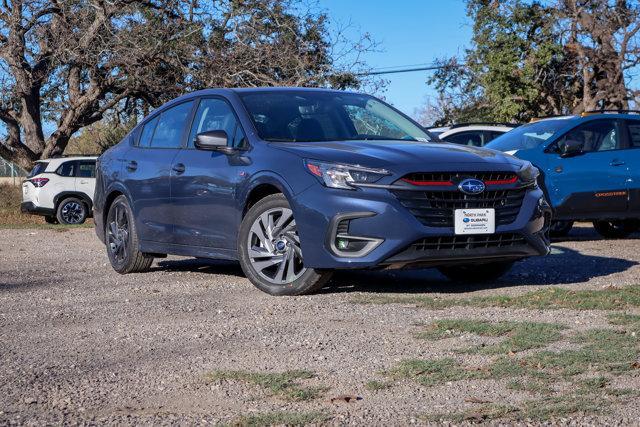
(147, 169)
(593, 182)
(204, 183)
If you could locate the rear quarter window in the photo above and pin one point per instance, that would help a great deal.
(38, 168)
(634, 134)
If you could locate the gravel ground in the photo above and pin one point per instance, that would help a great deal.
(82, 344)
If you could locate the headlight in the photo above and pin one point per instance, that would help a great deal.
(528, 173)
(342, 176)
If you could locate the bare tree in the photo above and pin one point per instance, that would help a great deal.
(65, 64)
(603, 35)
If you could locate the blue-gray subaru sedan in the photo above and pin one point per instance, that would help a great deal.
(295, 183)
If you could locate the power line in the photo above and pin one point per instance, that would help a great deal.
(406, 70)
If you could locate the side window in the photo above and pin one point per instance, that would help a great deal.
(601, 135)
(473, 139)
(67, 169)
(491, 135)
(86, 170)
(213, 114)
(147, 133)
(634, 134)
(168, 133)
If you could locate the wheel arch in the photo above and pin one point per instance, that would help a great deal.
(263, 186)
(60, 197)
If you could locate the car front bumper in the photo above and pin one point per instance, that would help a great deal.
(400, 239)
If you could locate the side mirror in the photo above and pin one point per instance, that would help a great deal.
(213, 140)
(571, 147)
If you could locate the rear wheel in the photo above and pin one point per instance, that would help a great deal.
(270, 253)
(560, 228)
(616, 229)
(72, 211)
(122, 240)
(476, 272)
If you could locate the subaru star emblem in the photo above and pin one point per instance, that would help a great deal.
(471, 186)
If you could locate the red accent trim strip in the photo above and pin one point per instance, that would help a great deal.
(502, 181)
(428, 183)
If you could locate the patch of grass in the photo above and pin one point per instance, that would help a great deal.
(281, 419)
(543, 409)
(520, 335)
(551, 298)
(375, 385)
(284, 384)
(531, 385)
(623, 318)
(603, 350)
(434, 372)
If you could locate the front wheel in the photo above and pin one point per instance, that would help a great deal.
(616, 229)
(270, 253)
(122, 240)
(476, 272)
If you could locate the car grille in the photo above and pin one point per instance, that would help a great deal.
(469, 242)
(456, 177)
(435, 207)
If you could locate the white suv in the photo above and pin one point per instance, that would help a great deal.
(60, 189)
(472, 134)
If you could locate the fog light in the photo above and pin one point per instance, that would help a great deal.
(343, 244)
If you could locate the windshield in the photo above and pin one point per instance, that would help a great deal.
(313, 116)
(527, 136)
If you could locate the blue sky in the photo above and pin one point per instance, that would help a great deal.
(410, 32)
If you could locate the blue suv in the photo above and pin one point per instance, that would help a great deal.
(295, 183)
(590, 168)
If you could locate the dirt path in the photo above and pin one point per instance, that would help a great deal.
(79, 342)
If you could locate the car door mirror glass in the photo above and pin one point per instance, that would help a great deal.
(213, 140)
(571, 147)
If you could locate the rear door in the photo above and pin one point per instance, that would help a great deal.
(146, 171)
(86, 177)
(593, 183)
(632, 157)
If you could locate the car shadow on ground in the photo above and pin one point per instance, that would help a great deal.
(585, 233)
(562, 266)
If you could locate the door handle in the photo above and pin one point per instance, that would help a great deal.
(178, 168)
(132, 166)
(617, 162)
(83, 181)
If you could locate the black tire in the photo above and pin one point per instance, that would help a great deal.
(616, 229)
(308, 280)
(72, 211)
(560, 228)
(51, 219)
(122, 240)
(476, 272)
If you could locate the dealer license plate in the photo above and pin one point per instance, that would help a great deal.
(475, 221)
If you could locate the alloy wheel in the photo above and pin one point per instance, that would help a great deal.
(118, 233)
(274, 247)
(72, 212)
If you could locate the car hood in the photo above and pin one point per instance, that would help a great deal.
(403, 156)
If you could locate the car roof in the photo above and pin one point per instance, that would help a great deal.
(590, 116)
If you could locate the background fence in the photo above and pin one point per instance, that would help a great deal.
(10, 173)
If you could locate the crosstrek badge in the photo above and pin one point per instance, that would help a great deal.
(475, 221)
